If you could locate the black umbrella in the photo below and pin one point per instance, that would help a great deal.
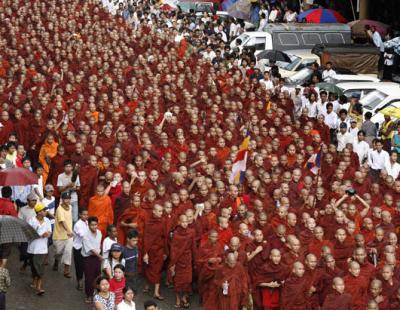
(13, 230)
(274, 56)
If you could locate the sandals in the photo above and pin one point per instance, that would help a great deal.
(159, 297)
(88, 300)
(67, 275)
(186, 305)
(146, 290)
(40, 293)
(178, 306)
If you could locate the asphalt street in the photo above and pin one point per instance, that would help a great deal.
(61, 293)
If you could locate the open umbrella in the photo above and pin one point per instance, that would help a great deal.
(13, 230)
(358, 27)
(330, 87)
(320, 16)
(391, 111)
(393, 43)
(274, 56)
(240, 9)
(17, 176)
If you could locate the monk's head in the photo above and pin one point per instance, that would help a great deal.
(340, 235)
(223, 222)
(330, 261)
(243, 229)
(291, 219)
(359, 254)
(157, 211)
(372, 305)
(311, 261)
(318, 233)
(379, 234)
(100, 190)
(190, 215)
(234, 244)
(298, 269)
(275, 256)
(183, 221)
(281, 230)
(294, 244)
(375, 288)
(354, 268)
(231, 260)
(213, 236)
(338, 285)
(387, 272)
(360, 240)
(258, 236)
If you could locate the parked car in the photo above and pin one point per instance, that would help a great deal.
(364, 88)
(300, 59)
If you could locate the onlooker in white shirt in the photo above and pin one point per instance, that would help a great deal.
(361, 147)
(80, 229)
(328, 73)
(38, 248)
(377, 159)
(392, 167)
(109, 240)
(127, 303)
(343, 137)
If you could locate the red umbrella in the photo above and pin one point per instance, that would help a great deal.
(17, 176)
(358, 27)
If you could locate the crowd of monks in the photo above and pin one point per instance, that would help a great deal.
(160, 127)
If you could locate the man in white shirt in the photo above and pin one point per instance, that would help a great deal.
(328, 73)
(343, 137)
(209, 54)
(80, 229)
(377, 159)
(361, 147)
(68, 183)
(392, 167)
(38, 248)
(267, 81)
(377, 39)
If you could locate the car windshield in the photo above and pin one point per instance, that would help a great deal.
(373, 99)
(289, 66)
(300, 77)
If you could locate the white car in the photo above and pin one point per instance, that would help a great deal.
(379, 99)
(300, 59)
(363, 88)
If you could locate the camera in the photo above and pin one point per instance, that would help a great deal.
(351, 192)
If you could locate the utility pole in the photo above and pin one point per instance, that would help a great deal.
(363, 5)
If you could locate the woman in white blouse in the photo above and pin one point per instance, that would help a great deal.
(127, 303)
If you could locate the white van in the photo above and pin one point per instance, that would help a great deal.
(295, 36)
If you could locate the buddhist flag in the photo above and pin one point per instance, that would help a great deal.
(239, 165)
(314, 163)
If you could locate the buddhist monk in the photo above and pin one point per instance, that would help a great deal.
(154, 250)
(47, 152)
(132, 218)
(270, 279)
(257, 255)
(295, 289)
(356, 286)
(100, 206)
(375, 294)
(208, 260)
(229, 291)
(88, 178)
(181, 258)
(338, 299)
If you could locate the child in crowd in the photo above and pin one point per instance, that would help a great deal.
(127, 303)
(114, 258)
(117, 283)
(109, 240)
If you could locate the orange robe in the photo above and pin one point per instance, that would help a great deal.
(51, 151)
(101, 207)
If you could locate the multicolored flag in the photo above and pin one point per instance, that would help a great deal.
(314, 163)
(239, 165)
